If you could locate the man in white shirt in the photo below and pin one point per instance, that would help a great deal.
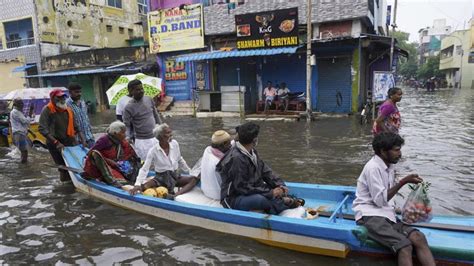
(210, 179)
(165, 159)
(283, 95)
(20, 127)
(373, 208)
(122, 102)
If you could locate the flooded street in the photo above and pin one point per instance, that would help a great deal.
(44, 221)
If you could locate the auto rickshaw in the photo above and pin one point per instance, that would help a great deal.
(34, 100)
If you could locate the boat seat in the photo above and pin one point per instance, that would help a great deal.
(195, 196)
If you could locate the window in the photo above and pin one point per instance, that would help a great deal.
(459, 49)
(115, 3)
(19, 33)
(130, 32)
(109, 28)
(142, 7)
(121, 30)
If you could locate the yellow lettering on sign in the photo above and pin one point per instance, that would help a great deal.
(284, 41)
(250, 44)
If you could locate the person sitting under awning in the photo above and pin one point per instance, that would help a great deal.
(112, 159)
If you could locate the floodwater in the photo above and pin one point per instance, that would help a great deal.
(44, 221)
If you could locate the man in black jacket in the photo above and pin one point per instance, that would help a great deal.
(247, 182)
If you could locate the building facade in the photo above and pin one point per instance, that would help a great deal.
(349, 44)
(457, 58)
(31, 31)
(430, 39)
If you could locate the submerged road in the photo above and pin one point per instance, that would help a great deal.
(44, 221)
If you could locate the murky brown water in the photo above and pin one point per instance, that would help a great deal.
(44, 221)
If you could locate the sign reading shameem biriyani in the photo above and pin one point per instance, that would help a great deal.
(176, 29)
(270, 29)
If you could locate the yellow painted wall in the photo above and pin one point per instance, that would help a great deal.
(66, 23)
(10, 81)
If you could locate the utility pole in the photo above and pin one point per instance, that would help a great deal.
(309, 34)
(394, 26)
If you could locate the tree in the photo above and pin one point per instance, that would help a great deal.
(408, 66)
(429, 69)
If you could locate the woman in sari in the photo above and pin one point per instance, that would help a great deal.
(112, 159)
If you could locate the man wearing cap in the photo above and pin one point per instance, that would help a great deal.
(57, 125)
(79, 109)
(210, 179)
(20, 125)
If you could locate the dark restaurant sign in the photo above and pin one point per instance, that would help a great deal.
(270, 29)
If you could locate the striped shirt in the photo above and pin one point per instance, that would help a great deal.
(81, 118)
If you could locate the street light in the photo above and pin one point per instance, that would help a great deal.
(462, 54)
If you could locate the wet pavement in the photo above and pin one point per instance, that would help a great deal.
(44, 221)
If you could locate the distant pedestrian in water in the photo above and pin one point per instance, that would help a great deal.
(20, 127)
(389, 119)
(79, 108)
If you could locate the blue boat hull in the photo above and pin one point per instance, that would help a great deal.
(324, 235)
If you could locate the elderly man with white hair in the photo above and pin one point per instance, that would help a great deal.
(165, 159)
(112, 159)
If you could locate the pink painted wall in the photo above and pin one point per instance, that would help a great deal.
(161, 4)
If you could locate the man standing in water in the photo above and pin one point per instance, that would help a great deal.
(20, 126)
(388, 119)
(79, 108)
(373, 207)
(57, 125)
(140, 116)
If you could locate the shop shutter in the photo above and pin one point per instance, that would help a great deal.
(290, 69)
(334, 85)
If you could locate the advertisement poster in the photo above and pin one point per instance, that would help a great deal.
(177, 79)
(176, 29)
(383, 81)
(270, 29)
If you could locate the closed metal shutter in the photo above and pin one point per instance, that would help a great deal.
(334, 85)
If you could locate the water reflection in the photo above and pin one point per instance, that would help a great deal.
(45, 221)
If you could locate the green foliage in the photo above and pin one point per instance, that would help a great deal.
(429, 69)
(408, 67)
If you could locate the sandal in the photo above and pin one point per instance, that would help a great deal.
(293, 202)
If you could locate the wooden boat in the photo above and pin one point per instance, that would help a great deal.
(451, 238)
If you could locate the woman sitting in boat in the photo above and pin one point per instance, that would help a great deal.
(112, 159)
(166, 160)
(248, 183)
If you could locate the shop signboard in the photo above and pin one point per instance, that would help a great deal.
(176, 29)
(270, 29)
(383, 81)
(177, 79)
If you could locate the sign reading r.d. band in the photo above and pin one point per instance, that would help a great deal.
(270, 29)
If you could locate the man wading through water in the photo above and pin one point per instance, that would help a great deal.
(57, 125)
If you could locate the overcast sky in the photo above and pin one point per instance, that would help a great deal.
(413, 15)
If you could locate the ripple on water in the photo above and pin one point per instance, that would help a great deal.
(6, 250)
(14, 203)
(193, 254)
(117, 255)
(36, 230)
(32, 243)
(45, 256)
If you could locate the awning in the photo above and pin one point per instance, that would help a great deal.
(22, 68)
(102, 70)
(227, 54)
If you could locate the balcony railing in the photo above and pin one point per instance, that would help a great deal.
(20, 43)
